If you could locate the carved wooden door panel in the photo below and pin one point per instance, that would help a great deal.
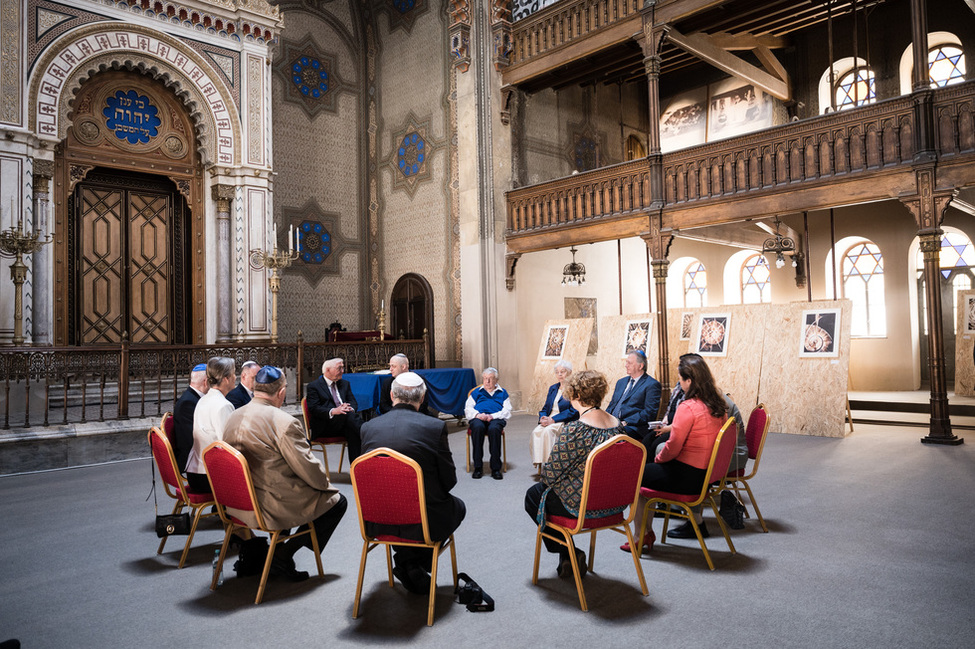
(128, 282)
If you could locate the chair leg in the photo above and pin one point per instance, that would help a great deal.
(362, 572)
(468, 452)
(504, 451)
(315, 548)
(700, 539)
(433, 583)
(538, 552)
(389, 564)
(328, 474)
(592, 549)
(636, 550)
(342, 455)
(275, 536)
(570, 546)
(721, 523)
(758, 512)
(198, 512)
(453, 559)
(736, 487)
(176, 510)
(223, 555)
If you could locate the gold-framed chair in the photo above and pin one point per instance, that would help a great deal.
(321, 442)
(612, 478)
(755, 434)
(504, 443)
(176, 487)
(230, 478)
(724, 446)
(166, 425)
(389, 490)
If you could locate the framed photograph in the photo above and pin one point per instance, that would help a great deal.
(970, 314)
(712, 334)
(555, 342)
(686, 325)
(819, 337)
(736, 108)
(683, 122)
(637, 337)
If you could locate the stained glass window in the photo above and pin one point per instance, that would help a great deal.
(946, 65)
(863, 284)
(756, 285)
(695, 285)
(856, 88)
(957, 258)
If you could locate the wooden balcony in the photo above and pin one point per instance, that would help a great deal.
(854, 156)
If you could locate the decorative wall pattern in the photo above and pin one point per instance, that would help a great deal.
(404, 13)
(310, 75)
(412, 148)
(10, 62)
(320, 242)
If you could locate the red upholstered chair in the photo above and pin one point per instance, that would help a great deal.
(389, 490)
(321, 442)
(614, 470)
(176, 487)
(755, 434)
(724, 446)
(230, 479)
(167, 424)
(504, 445)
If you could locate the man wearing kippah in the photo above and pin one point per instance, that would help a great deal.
(423, 439)
(291, 484)
(398, 364)
(636, 398)
(183, 414)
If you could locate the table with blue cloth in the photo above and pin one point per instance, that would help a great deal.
(447, 388)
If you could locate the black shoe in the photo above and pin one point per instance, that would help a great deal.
(686, 531)
(478, 474)
(497, 475)
(413, 580)
(564, 568)
(285, 567)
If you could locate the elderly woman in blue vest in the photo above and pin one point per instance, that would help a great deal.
(487, 411)
(556, 411)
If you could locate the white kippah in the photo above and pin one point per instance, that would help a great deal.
(409, 379)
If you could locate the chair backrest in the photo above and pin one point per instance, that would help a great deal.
(168, 424)
(724, 448)
(230, 479)
(162, 454)
(388, 490)
(614, 470)
(758, 421)
(306, 415)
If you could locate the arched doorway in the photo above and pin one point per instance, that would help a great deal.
(412, 303)
(128, 209)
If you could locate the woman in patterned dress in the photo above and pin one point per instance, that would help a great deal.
(560, 490)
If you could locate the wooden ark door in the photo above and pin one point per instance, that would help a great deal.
(413, 309)
(128, 254)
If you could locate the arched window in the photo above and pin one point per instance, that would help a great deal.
(756, 281)
(957, 259)
(853, 84)
(695, 285)
(863, 284)
(946, 62)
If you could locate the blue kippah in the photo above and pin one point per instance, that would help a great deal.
(199, 367)
(267, 374)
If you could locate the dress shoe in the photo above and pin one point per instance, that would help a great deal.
(478, 474)
(564, 568)
(282, 566)
(497, 475)
(404, 577)
(686, 531)
(648, 540)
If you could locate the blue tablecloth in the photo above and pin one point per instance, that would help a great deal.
(447, 388)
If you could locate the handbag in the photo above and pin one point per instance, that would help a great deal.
(170, 524)
(732, 511)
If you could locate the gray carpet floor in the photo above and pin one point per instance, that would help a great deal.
(871, 545)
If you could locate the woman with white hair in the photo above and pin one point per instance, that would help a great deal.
(557, 411)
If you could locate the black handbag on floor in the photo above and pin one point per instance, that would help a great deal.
(170, 524)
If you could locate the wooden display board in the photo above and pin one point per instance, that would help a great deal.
(610, 358)
(572, 339)
(964, 344)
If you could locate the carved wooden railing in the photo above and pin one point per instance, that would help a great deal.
(565, 22)
(862, 143)
(61, 385)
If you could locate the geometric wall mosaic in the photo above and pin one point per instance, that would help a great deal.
(404, 13)
(309, 76)
(319, 246)
(411, 155)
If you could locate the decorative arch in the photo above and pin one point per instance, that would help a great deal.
(412, 309)
(81, 53)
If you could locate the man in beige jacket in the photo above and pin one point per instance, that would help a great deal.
(291, 484)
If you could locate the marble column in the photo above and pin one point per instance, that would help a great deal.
(41, 306)
(222, 195)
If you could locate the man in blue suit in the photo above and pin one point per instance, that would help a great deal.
(636, 398)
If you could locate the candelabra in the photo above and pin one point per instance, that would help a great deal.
(275, 261)
(382, 321)
(16, 242)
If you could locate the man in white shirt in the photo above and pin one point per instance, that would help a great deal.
(487, 410)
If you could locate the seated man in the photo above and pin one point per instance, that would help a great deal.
(398, 364)
(332, 407)
(487, 410)
(290, 483)
(183, 415)
(423, 439)
(244, 391)
(209, 418)
(636, 397)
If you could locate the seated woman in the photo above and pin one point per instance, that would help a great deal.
(680, 463)
(560, 491)
(557, 410)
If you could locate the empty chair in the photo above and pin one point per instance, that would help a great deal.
(755, 434)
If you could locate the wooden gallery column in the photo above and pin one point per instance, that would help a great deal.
(928, 207)
(657, 240)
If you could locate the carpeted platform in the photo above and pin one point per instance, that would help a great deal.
(870, 546)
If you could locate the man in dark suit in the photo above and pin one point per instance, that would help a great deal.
(244, 392)
(636, 398)
(423, 439)
(333, 408)
(183, 415)
(398, 364)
